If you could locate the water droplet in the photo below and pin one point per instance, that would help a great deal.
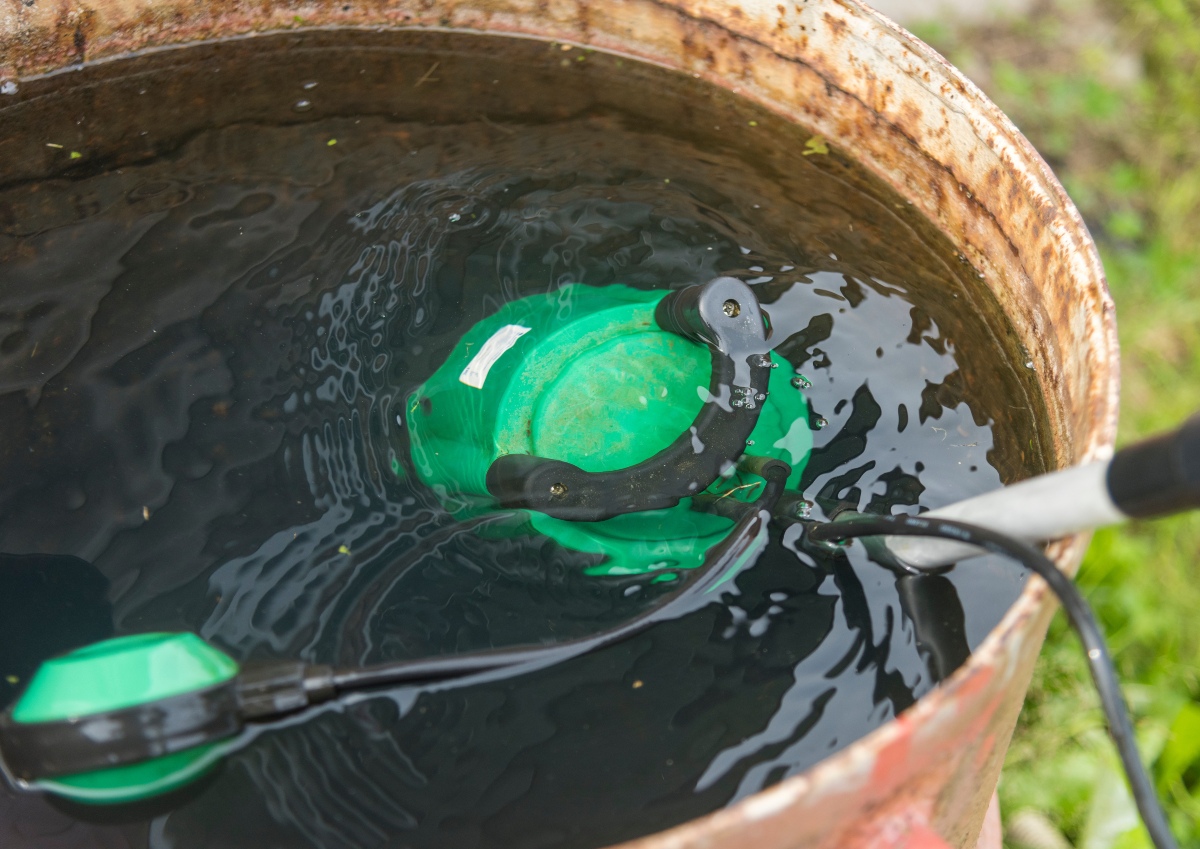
(820, 422)
(1029, 364)
(454, 216)
(310, 85)
(801, 382)
(738, 402)
(8, 87)
(760, 397)
(302, 106)
(804, 509)
(749, 442)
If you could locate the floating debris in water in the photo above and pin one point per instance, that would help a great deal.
(428, 76)
(816, 145)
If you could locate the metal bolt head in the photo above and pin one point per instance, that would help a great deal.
(731, 308)
(558, 490)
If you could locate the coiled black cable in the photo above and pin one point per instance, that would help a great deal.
(1079, 614)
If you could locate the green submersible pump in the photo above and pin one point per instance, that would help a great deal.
(604, 411)
(655, 431)
(652, 429)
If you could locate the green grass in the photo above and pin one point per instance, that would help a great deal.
(1110, 94)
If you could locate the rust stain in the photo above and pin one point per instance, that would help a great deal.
(837, 26)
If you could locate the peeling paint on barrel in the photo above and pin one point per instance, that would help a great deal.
(886, 99)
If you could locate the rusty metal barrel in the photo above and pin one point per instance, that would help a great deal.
(835, 66)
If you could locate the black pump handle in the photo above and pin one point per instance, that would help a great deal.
(1158, 476)
(722, 314)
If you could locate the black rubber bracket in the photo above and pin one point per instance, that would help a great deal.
(723, 315)
(36, 750)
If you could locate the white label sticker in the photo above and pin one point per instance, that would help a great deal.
(477, 370)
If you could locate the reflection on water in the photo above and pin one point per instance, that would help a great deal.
(204, 362)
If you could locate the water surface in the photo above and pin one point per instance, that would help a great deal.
(210, 320)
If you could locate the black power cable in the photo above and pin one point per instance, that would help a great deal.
(1079, 614)
(140, 732)
(722, 561)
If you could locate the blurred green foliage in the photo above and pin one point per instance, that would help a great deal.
(1109, 92)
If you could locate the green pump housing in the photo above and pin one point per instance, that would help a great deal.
(586, 375)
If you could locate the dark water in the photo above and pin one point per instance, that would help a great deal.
(210, 319)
